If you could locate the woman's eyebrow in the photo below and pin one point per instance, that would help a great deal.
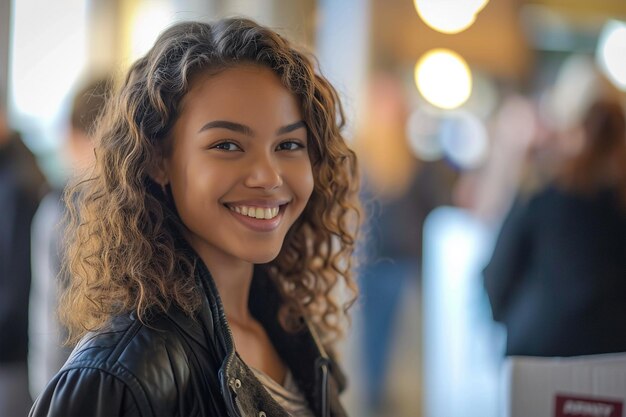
(240, 128)
(224, 124)
(291, 127)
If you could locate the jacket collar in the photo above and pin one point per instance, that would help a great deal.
(311, 366)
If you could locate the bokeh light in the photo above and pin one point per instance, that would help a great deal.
(443, 78)
(449, 16)
(422, 130)
(611, 52)
(464, 139)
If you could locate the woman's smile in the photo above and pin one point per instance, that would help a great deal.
(260, 216)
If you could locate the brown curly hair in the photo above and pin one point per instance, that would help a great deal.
(121, 238)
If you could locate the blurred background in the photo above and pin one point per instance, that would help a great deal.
(454, 108)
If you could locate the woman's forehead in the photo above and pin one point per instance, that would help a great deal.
(231, 76)
(237, 89)
(251, 95)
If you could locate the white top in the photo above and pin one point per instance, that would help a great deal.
(287, 395)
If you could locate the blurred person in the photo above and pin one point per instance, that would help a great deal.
(400, 191)
(206, 246)
(22, 185)
(556, 278)
(47, 353)
(532, 136)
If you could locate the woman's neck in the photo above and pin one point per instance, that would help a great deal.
(232, 277)
(233, 283)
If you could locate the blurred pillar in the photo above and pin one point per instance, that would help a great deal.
(343, 37)
(5, 33)
(342, 47)
(104, 36)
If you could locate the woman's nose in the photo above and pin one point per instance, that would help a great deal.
(264, 173)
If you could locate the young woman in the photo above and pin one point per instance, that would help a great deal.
(209, 245)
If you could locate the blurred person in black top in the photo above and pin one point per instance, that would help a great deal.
(557, 277)
(21, 187)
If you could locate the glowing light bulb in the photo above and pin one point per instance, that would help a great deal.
(443, 78)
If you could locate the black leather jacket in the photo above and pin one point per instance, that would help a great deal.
(175, 365)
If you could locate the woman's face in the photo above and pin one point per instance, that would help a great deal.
(239, 168)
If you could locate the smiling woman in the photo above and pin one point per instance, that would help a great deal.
(238, 160)
(206, 245)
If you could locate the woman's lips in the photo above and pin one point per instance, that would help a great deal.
(259, 224)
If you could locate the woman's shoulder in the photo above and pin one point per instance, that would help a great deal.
(125, 340)
(158, 344)
(134, 364)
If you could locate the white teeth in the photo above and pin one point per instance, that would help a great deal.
(256, 212)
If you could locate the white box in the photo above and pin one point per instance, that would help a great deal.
(582, 386)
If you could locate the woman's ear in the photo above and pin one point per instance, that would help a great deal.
(159, 171)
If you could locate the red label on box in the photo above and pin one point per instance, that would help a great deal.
(569, 406)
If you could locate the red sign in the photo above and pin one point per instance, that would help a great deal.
(570, 406)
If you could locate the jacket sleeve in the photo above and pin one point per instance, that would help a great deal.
(509, 260)
(86, 392)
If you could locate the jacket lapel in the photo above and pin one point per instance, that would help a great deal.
(312, 368)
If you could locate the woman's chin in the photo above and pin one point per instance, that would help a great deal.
(263, 257)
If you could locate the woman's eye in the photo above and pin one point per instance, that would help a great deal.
(290, 145)
(227, 146)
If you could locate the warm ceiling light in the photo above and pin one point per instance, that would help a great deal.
(443, 78)
(449, 16)
(611, 52)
